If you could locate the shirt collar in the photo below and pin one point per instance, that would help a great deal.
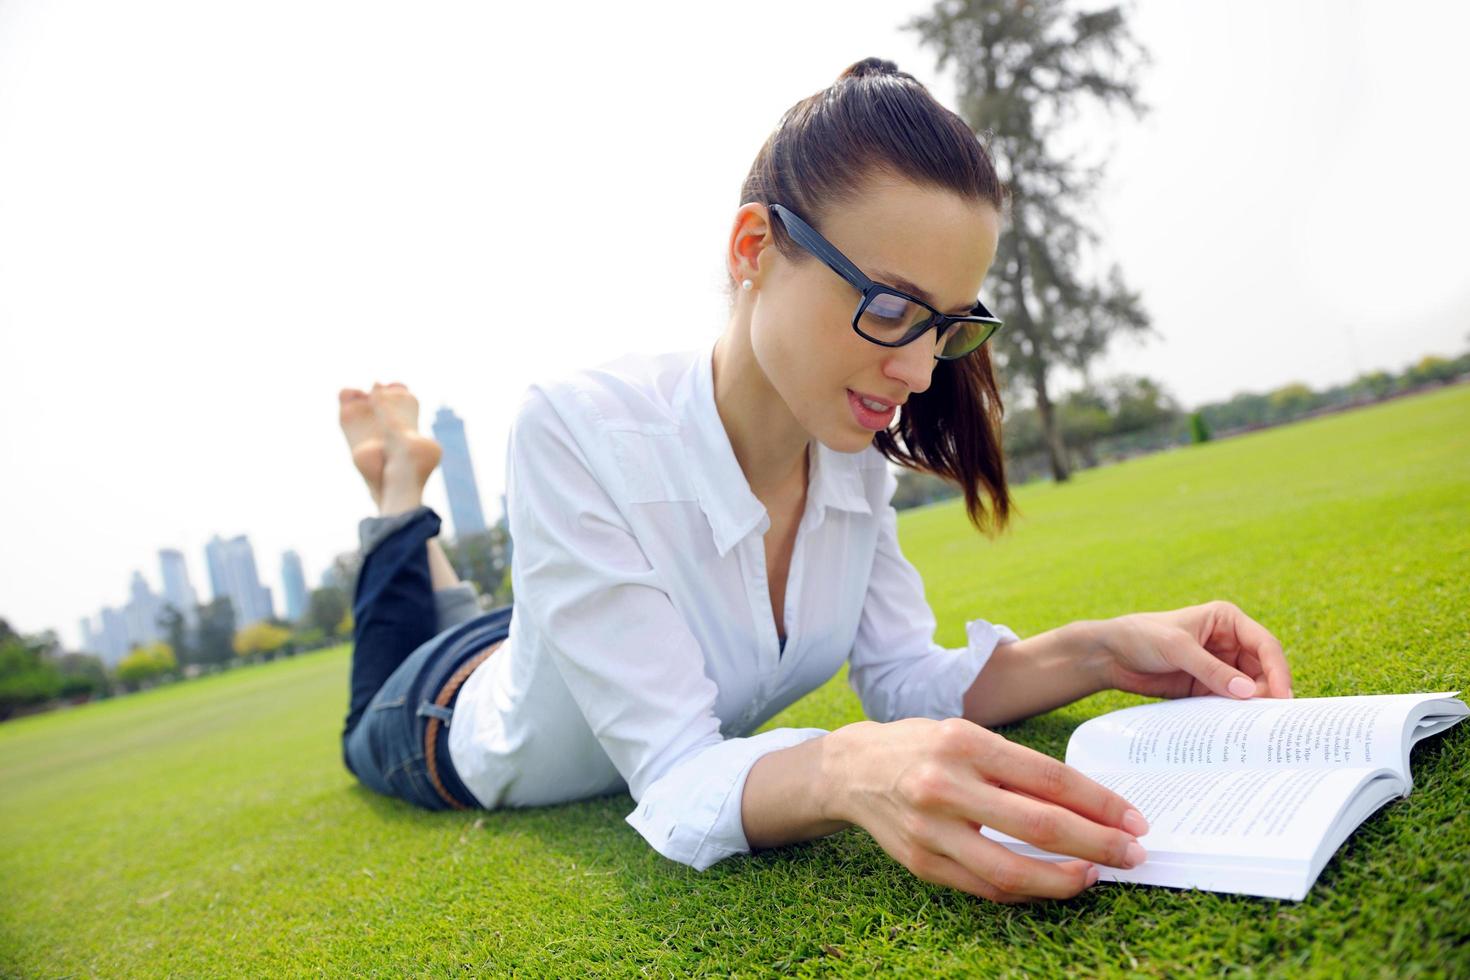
(732, 508)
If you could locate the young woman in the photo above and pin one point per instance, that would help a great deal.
(704, 536)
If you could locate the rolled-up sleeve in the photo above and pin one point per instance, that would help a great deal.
(596, 607)
(896, 668)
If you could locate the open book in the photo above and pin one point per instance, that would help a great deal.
(1251, 797)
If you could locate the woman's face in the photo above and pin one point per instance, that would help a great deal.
(900, 234)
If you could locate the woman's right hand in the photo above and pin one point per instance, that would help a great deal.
(923, 788)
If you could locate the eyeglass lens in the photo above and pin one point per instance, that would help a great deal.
(890, 318)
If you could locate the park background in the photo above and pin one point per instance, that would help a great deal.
(211, 218)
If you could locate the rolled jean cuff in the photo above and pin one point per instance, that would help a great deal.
(456, 604)
(373, 531)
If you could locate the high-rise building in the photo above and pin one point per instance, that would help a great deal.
(114, 637)
(91, 642)
(459, 474)
(293, 579)
(141, 612)
(232, 574)
(177, 589)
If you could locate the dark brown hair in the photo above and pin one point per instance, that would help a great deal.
(878, 121)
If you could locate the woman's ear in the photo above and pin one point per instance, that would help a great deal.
(750, 235)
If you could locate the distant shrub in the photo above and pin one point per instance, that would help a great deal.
(264, 638)
(146, 663)
(1199, 429)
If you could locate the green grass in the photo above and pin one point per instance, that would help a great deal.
(209, 828)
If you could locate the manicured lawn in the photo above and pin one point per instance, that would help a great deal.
(209, 828)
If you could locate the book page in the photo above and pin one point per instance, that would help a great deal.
(1252, 831)
(1263, 733)
(1282, 813)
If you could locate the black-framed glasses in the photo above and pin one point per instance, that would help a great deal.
(891, 317)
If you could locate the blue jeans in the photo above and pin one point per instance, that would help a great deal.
(400, 662)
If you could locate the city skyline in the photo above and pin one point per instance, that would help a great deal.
(233, 571)
(111, 632)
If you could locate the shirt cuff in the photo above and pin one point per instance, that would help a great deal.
(691, 814)
(981, 639)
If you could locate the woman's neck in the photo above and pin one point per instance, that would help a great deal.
(770, 445)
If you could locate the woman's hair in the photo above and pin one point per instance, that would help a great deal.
(876, 121)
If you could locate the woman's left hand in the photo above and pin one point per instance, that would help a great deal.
(1211, 648)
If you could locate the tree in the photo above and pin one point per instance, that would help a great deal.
(1083, 417)
(266, 638)
(1431, 369)
(309, 638)
(1023, 69)
(26, 677)
(1376, 385)
(216, 632)
(1199, 429)
(1140, 403)
(1290, 401)
(481, 558)
(343, 572)
(176, 631)
(325, 609)
(146, 663)
(916, 488)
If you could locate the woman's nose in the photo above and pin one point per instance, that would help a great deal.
(913, 363)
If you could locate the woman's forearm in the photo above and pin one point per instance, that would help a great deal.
(801, 792)
(1034, 675)
(790, 794)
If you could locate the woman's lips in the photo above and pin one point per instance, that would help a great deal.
(866, 417)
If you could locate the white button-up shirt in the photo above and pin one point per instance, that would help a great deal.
(642, 651)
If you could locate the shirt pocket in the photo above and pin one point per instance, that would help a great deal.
(652, 464)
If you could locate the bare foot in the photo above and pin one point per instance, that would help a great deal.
(364, 438)
(409, 456)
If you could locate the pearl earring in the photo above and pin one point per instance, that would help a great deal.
(747, 285)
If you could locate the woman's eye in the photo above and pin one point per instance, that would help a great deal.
(888, 307)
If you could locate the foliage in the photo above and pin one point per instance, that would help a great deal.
(26, 677)
(176, 631)
(263, 637)
(1289, 401)
(309, 638)
(482, 558)
(1199, 429)
(146, 663)
(916, 488)
(325, 609)
(1431, 369)
(343, 572)
(216, 632)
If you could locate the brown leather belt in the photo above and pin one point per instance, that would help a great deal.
(431, 730)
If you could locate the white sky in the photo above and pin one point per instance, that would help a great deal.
(213, 216)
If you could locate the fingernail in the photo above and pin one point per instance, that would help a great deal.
(1135, 855)
(1134, 823)
(1241, 688)
(1092, 875)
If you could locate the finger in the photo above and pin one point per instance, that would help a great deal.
(1210, 670)
(1048, 826)
(1000, 760)
(944, 870)
(1008, 871)
(1258, 641)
